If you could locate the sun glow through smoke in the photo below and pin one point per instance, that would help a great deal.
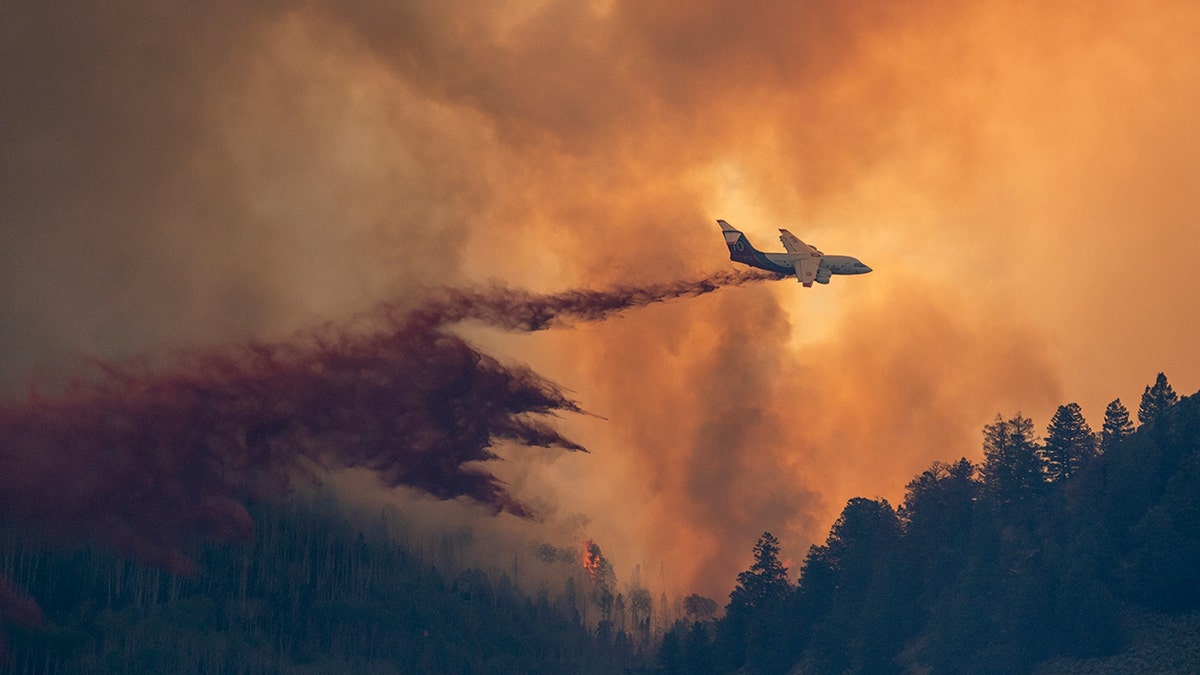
(282, 164)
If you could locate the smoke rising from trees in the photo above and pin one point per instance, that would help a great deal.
(178, 176)
(142, 462)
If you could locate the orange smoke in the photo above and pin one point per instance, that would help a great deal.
(1020, 178)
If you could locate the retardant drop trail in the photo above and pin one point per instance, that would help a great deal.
(142, 462)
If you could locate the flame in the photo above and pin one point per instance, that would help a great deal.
(592, 559)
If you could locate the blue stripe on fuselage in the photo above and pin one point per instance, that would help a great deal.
(741, 251)
(761, 261)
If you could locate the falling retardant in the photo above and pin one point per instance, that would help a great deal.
(141, 461)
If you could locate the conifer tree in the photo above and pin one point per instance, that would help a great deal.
(1013, 465)
(862, 550)
(767, 579)
(1070, 443)
(1116, 425)
(938, 502)
(757, 613)
(1156, 401)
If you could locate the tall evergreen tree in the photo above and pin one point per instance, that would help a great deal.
(862, 631)
(1070, 443)
(1116, 425)
(1013, 466)
(757, 625)
(767, 579)
(938, 500)
(1156, 401)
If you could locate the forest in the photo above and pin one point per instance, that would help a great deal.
(1055, 553)
(1052, 555)
(321, 589)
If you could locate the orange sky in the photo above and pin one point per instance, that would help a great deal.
(1022, 178)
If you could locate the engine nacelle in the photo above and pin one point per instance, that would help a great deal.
(823, 275)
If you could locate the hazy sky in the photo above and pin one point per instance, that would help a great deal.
(1024, 178)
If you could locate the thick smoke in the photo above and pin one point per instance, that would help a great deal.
(143, 462)
(1022, 180)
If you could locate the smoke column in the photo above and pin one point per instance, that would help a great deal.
(183, 174)
(141, 462)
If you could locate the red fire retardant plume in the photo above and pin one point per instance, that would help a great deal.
(140, 462)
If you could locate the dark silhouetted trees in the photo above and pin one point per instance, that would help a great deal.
(316, 592)
(937, 514)
(859, 630)
(983, 569)
(758, 609)
(1070, 443)
(1116, 425)
(699, 608)
(938, 502)
(766, 582)
(1013, 468)
(1037, 553)
(1157, 401)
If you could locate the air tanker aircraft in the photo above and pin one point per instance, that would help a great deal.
(802, 260)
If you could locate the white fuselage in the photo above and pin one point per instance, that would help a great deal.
(835, 264)
(805, 262)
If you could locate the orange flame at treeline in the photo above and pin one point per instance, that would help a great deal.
(593, 560)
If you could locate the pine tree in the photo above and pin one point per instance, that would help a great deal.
(1116, 425)
(938, 503)
(757, 613)
(1070, 443)
(1013, 466)
(767, 579)
(1157, 400)
(859, 633)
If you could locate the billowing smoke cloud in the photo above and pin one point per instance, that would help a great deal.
(1022, 181)
(142, 462)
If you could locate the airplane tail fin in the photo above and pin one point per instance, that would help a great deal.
(740, 249)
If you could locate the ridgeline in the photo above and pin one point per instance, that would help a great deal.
(1077, 552)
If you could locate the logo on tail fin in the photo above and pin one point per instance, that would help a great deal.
(740, 249)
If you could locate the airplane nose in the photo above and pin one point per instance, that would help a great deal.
(865, 269)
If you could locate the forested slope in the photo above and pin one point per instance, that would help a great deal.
(1072, 552)
(1063, 549)
(316, 592)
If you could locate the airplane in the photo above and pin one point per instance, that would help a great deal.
(804, 261)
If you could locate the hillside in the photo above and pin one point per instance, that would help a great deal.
(317, 591)
(1155, 643)
(1034, 556)
(1038, 559)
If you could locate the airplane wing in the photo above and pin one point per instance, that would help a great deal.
(792, 244)
(806, 269)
